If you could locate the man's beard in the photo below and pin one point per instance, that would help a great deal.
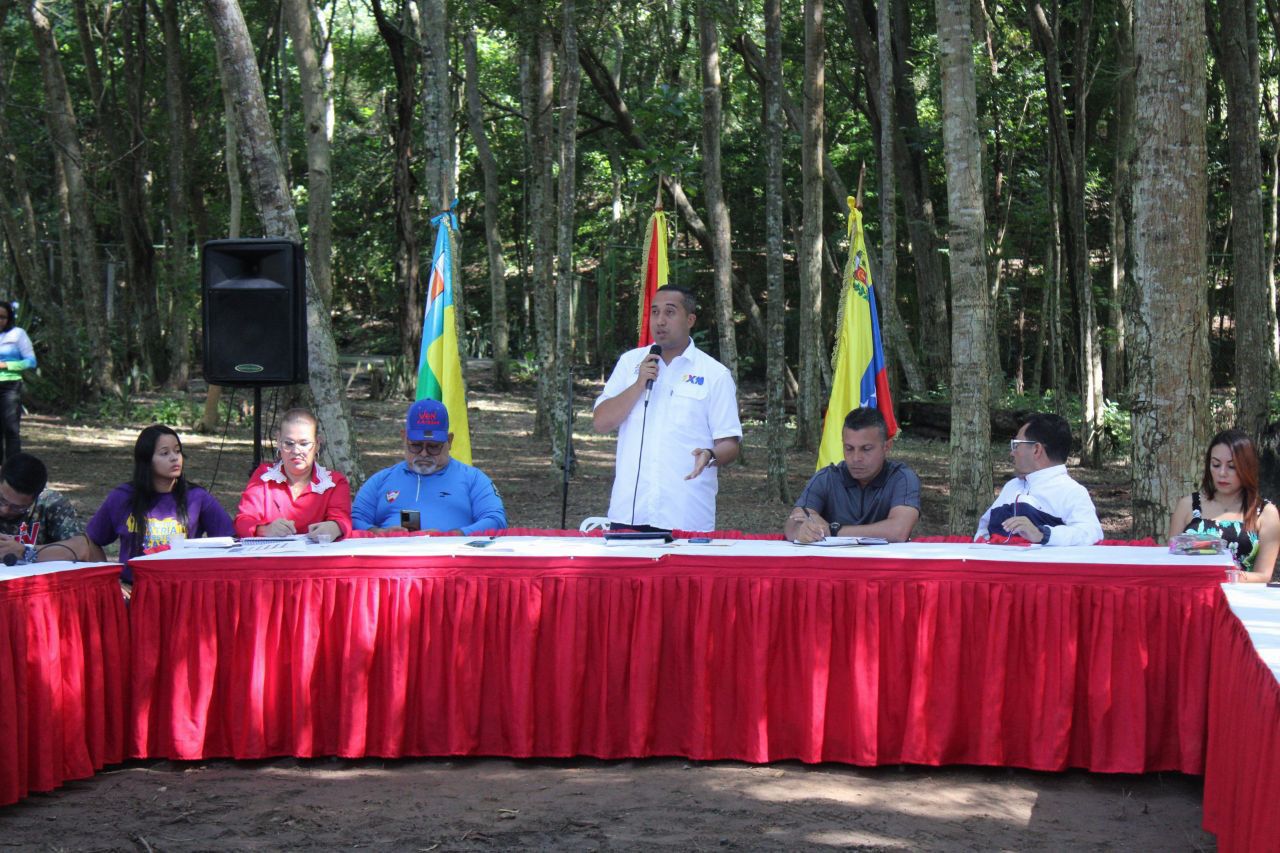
(428, 467)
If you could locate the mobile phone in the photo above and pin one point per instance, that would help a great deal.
(410, 519)
(700, 540)
(480, 543)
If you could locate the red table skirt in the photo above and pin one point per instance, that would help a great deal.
(64, 645)
(1097, 667)
(1242, 771)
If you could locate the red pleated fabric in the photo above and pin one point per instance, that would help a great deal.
(881, 661)
(1242, 771)
(64, 647)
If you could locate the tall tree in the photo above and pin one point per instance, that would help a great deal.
(270, 194)
(499, 328)
(1115, 367)
(1233, 35)
(82, 241)
(809, 407)
(314, 57)
(404, 186)
(437, 105)
(570, 84)
(913, 171)
(538, 102)
(1070, 144)
(1169, 346)
(777, 301)
(717, 210)
(180, 269)
(970, 476)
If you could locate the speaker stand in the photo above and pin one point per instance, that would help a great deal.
(257, 426)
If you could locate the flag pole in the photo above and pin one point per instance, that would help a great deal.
(862, 174)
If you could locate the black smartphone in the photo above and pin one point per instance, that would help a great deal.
(410, 519)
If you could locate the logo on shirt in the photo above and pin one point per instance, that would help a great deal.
(694, 380)
(392, 495)
(28, 536)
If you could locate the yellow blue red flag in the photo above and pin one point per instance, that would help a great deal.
(439, 363)
(859, 377)
(654, 270)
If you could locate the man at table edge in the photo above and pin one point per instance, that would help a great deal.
(39, 524)
(866, 495)
(1042, 504)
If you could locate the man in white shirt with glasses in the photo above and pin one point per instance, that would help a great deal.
(446, 494)
(1042, 504)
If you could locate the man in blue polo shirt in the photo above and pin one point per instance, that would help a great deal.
(450, 495)
(866, 495)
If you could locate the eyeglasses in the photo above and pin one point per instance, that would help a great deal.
(304, 446)
(10, 505)
(417, 448)
(1014, 442)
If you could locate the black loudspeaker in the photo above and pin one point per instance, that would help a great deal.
(255, 312)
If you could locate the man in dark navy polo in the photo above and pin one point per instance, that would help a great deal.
(867, 495)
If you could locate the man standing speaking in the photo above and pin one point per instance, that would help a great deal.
(676, 412)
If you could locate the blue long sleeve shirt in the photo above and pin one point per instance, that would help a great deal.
(458, 497)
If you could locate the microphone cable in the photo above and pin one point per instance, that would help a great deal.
(656, 349)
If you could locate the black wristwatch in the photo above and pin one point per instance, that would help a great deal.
(834, 527)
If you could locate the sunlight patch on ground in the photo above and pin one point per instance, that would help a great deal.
(961, 800)
(856, 838)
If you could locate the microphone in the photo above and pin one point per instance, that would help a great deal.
(656, 350)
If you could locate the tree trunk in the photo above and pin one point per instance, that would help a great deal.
(1070, 146)
(970, 477)
(776, 352)
(1234, 40)
(1169, 345)
(404, 187)
(119, 116)
(1115, 372)
(542, 213)
(717, 210)
(235, 203)
(271, 197)
(84, 242)
(314, 58)
(182, 272)
(437, 105)
(914, 179)
(570, 83)
(500, 329)
(812, 350)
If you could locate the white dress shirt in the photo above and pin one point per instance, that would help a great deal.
(693, 403)
(1057, 494)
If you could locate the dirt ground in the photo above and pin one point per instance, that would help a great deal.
(473, 804)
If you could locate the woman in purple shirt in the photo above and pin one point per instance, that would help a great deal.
(157, 504)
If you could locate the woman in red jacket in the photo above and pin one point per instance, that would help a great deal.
(295, 495)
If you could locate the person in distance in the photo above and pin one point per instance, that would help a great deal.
(157, 504)
(676, 412)
(868, 495)
(1227, 505)
(16, 355)
(449, 495)
(295, 494)
(32, 516)
(1042, 504)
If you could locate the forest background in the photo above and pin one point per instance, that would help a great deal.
(1083, 212)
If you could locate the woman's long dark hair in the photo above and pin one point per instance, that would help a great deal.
(1245, 458)
(13, 315)
(144, 486)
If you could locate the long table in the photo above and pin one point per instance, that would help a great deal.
(1242, 774)
(64, 643)
(1045, 658)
